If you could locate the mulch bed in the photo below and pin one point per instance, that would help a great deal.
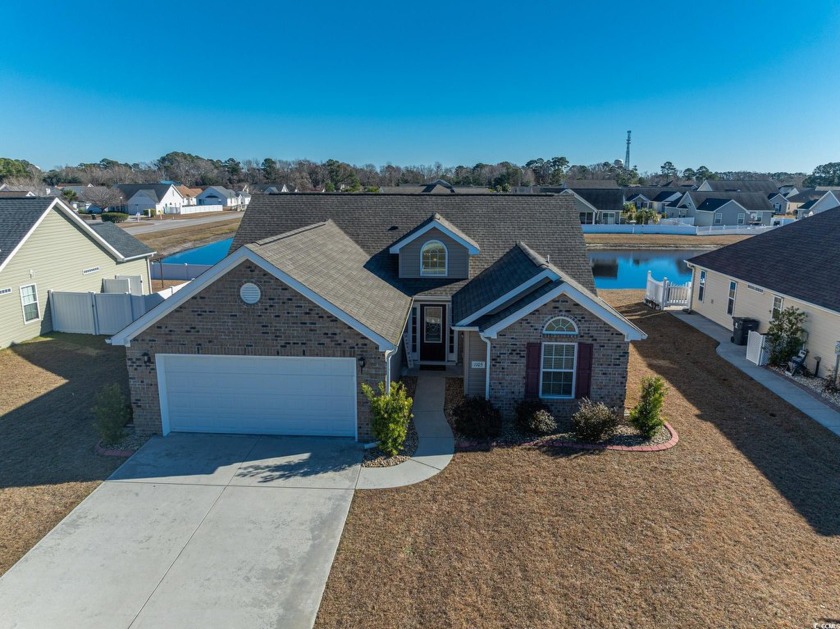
(815, 387)
(125, 447)
(626, 437)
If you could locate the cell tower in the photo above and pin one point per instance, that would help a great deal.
(627, 155)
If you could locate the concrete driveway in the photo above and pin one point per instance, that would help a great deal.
(194, 531)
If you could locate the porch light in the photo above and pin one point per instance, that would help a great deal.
(147, 359)
(362, 363)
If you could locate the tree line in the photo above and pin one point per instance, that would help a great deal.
(303, 174)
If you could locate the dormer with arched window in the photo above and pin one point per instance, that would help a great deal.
(435, 249)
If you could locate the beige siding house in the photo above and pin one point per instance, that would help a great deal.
(758, 277)
(45, 247)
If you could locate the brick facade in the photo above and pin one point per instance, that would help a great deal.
(609, 360)
(217, 321)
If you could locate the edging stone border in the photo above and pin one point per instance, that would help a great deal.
(100, 449)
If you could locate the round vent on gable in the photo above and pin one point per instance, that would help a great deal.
(250, 293)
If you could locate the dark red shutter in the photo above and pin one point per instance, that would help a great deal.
(532, 370)
(583, 381)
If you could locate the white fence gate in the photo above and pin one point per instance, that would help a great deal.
(101, 313)
(756, 349)
(664, 294)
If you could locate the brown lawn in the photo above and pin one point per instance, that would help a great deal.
(737, 526)
(47, 463)
(658, 240)
(169, 241)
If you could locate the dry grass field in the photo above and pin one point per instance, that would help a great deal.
(737, 526)
(662, 241)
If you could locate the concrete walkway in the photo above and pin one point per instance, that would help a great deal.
(785, 389)
(436, 443)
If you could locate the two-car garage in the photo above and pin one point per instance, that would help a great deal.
(272, 395)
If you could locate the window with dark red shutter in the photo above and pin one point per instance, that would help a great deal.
(583, 379)
(532, 370)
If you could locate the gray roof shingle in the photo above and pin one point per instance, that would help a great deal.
(604, 199)
(155, 191)
(749, 185)
(496, 222)
(17, 217)
(325, 260)
(121, 240)
(799, 260)
(752, 201)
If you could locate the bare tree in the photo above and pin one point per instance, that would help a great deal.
(103, 197)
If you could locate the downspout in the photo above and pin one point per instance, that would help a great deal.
(693, 284)
(389, 353)
(486, 368)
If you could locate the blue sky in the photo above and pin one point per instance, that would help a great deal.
(730, 85)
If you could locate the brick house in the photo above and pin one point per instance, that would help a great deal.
(323, 292)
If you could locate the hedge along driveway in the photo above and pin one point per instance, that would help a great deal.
(737, 526)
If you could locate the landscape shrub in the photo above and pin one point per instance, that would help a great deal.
(594, 421)
(534, 416)
(114, 217)
(477, 418)
(111, 412)
(391, 414)
(646, 415)
(784, 336)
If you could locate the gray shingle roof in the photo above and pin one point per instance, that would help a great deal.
(121, 240)
(591, 184)
(548, 223)
(604, 199)
(511, 270)
(222, 191)
(754, 185)
(324, 259)
(805, 194)
(17, 217)
(799, 260)
(156, 191)
(437, 218)
(752, 201)
(710, 205)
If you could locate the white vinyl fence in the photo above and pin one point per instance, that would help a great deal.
(664, 294)
(687, 230)
(756, 349)
(166, 271)
(101, 313)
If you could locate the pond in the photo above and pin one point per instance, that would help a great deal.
(628, 268)
(208, 254)
(620, 268)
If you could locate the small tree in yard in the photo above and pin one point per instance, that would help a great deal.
(112, 412)
(646, 415)
(391, 414)
(785, 335)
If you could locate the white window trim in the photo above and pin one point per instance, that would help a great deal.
(701, 286)
(559, 333)
(731, 295)
(23, 306)
(773, 306)
(742, 217)
(445, 273)
(574, 372)
(718, 220)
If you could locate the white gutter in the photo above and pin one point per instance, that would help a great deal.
(486, 368)
(389, 353)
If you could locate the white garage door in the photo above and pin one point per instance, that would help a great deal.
(257, 395)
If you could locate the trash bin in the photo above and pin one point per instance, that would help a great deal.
(741, 328)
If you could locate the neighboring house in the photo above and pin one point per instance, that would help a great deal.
(271, 188)
(15, 194)
(795, 265)
(828, 200)
(608, 204)
(218, 195)
(45, 246)
(439, 186)
(590, 184)
(765, 186)
(722, 208)
(189, 194)
(652, 197)
(779, 202)
(159, 198)
(243, 198)
(323, 292)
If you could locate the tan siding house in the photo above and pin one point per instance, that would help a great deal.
(765, 273)
(57, 253)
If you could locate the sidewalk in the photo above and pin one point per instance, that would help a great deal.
(436, 443)
(788, 391)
